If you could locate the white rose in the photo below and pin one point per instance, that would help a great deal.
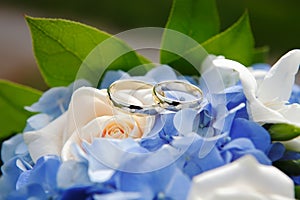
(90, 115)
(242, 179)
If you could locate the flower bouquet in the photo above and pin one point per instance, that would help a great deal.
(115, 125)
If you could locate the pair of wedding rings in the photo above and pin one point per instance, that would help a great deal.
(139, 97)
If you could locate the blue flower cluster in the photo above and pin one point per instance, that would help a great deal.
(179, 146)
(51, 105)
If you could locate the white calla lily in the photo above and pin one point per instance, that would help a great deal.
(242, 179)
(267, 102)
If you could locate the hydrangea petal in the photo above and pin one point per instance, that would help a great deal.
(72, 173)
(179, 186)
(9, 147)
(169, 179)
(184, 126)
(9, 178)
(243, 146)
(43, 173)
(118, 196)
(124, 154)
(242, 128)
(49, 101)
(276, 151)
(112, 76)
(37, 121)
(161, 73)
(32, 191)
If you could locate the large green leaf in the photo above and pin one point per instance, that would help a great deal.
(61, 46)
(236, 43)
(196, 20)
(13, 98)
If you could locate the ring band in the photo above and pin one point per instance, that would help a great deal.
(166, 95)
(132, 86)
(184, 95)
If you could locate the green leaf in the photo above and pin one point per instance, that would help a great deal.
(13, 98)
(297, 191)
(61, 46)
(236, 43)
(196, 19)
(289, 167)
(282, 132)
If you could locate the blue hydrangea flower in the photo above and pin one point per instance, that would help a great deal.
(193, 161)
(43, 173)
(112, 76)
(276, 151)
(242, 128)
(235, 97)
(155, 75)
(162, 133)
(9, 178)
(51, 105)
(165, 183)
(247, 137)
(123, 156)
(15, 156)
(13, 147)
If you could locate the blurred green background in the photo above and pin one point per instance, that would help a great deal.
(275, 23)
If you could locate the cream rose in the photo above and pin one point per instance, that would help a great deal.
(90, 115)
(242, 179)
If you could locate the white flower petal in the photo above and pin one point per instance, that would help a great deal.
(293, 145)
(259, 112)
(248, 81)
(85, 133)
(279, 81)
(291, 113)
(242, 179)
(46, 141)
(86, 104)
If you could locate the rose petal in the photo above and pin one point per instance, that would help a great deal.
(46, 141)
(86, 104)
